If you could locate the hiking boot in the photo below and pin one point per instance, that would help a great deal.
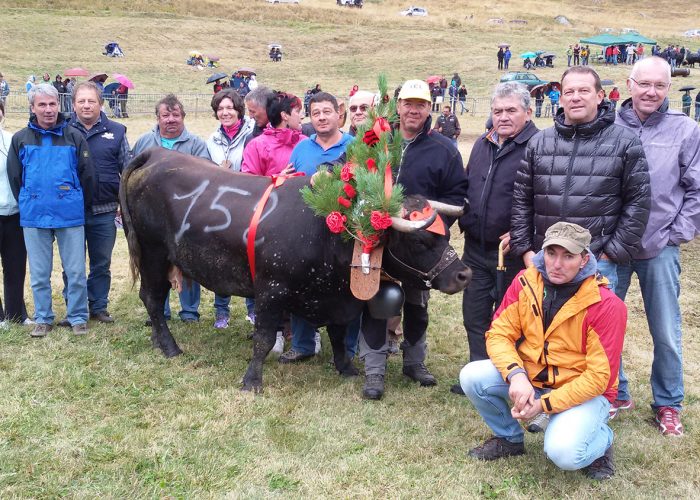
(64, 323)
(40, 330)
(278, 348)
(420, 373)
(538, 423)
(619, 405)
(221, 321)
(80, 329)
(457, 389)
(102, 317)
(317, 340)
(292, 356)
(495, 448)
(668, 421)
(602, 468)
(374, 387)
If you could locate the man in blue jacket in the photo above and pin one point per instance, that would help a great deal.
(51, 175)
(109, 149)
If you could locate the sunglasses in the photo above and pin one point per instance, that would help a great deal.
(363, 108)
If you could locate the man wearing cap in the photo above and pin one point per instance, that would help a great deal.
(554, 348)
(432, 167)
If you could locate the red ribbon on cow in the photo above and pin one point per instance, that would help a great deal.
(437, 227)
(277, 181)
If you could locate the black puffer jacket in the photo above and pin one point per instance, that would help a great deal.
(594, 175)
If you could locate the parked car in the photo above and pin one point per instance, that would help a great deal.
(529, 79)
(350, 3)
(692, 33)
(414, 11)
(283, 1)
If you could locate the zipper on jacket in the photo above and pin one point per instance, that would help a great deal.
(567, 181)
(482, 204)
(403, 153)
(535, 306)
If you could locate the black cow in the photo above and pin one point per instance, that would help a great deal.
(185, 212)
(691, 58)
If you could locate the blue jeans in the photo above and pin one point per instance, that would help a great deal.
(100, 235)
(189, 301)
(574, 438)
(659, 281)
(222, 305)
(303, 334)
(609, 269)
(71, 247)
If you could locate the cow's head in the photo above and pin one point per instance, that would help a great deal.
(419, 256)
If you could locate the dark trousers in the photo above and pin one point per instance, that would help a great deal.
(14, 268)
(478, 301)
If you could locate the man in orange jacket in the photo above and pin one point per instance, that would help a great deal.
(554, 348)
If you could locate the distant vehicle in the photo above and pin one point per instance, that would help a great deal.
(350, 3)
(283, 1)
(414, 11)
(606, 30)
(630, 31)
(692, 33)
(529, 79)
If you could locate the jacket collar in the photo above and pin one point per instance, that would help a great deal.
(523, 136)
(604, 118)
(99, 126)
(56, 130)
(424, 132)
(629, 116)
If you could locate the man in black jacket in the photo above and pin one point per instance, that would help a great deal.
(586, 170)
(493, 164)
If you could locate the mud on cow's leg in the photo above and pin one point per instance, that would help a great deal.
(342, 363)
(267, 319)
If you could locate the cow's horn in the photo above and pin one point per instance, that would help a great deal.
(408, 226)
(446, 209)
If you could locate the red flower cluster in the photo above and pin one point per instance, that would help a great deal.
(336, 222)
(371, 137)
(347, 172)
(350, 191)
(380, 220)
(371, 165)
(344, 202)
(368, 242)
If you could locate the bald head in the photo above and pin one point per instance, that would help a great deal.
(359, 106)
(648, 85)
(653, 63)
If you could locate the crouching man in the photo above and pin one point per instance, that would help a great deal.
(553, 347)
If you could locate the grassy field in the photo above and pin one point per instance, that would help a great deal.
(106, 416)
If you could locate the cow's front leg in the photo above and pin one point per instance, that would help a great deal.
(342, 363)
(154, 292)
(267, 320)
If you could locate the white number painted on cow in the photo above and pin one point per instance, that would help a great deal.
(215, 206)
(195, 196)
(271, 205)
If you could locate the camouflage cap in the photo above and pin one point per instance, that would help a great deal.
(571, 236)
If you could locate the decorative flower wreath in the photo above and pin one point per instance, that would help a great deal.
(359, 198)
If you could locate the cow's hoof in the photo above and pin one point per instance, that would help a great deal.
(172, 352)
(349, 371)
(254, 388)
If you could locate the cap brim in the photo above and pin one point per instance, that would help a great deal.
(571, 246)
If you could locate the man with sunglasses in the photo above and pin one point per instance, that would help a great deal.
(671, 144)
(359, 105)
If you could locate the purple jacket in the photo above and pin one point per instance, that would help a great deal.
(268, 154)
(671, 144)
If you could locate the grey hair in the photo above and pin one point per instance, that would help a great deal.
(653, 60)
(512, 89)
(42, 89)
(259, 95)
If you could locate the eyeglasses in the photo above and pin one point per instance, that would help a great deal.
(659, 87)
(362, 107)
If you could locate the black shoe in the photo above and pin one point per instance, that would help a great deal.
(457, 389)
(102, 317)
(420, 373)
(292, 356)
(374, 387)
(602, 468)
(64, 323)
(495, 448)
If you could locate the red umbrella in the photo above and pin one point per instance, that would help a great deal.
(433, 79)
(123, 80)
(76, 72)
(98, 77)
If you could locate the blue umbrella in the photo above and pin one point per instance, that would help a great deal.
(525, 55)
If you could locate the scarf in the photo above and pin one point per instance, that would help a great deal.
(232, 130)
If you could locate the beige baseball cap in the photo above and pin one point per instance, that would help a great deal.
(415, 89)
(571, 236)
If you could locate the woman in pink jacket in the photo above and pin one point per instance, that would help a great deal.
(268, 154)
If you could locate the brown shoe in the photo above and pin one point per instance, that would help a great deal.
(80, 329)
(102, 317)
(40, 330)
(495, 448)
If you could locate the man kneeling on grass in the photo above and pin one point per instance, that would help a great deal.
(554, 347)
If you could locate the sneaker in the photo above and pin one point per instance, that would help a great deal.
(618, 405)
(292, 356)
(457, 389)
(538, 423)
(317, 340)
(602, 468)
(40, 330)
(64, 323)
(80, 329)
(495, 448)
(4, 324)
(374, 387)
(250, 318)
(278, 348)
(102, 317)
(668, 421)
(420, 373)
(28, 321)
(221, 321)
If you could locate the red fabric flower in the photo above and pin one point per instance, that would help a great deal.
(370, 138)
(371, 165)
(336, 222)
(381, 124)
(347, 172)
(368, 242)
(380, 220)
(349, 191)
(344, 202)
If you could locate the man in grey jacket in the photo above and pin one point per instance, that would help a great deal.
(170, 133)
(671, 144)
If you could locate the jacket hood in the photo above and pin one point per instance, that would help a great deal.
(56, 129)
(605, 118)
(588, 270)
(284, 135)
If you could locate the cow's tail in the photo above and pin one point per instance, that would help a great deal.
(131, 238)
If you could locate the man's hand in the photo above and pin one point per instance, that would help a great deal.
(505, 238)
(529, 412)
(521, 393)
(527, 258)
